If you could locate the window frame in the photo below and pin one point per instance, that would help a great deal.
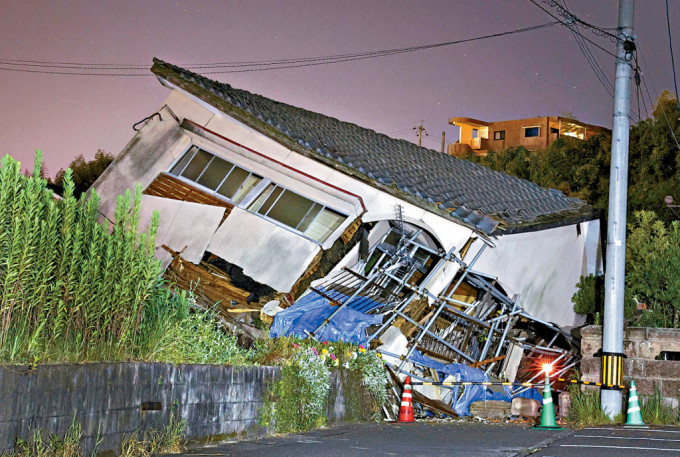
(254, 193)
(498, 135)
(538, 131)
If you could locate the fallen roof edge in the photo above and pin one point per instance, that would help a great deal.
(572, 219)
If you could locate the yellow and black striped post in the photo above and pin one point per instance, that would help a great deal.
(612, 369)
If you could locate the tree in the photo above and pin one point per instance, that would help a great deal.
(580, 168)
(85, 173)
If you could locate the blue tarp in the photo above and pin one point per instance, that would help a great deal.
(311, 310)
(471, 394)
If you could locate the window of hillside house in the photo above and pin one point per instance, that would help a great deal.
(300, 213)
(531, 132)
(475, 133)
(216, 174)
(499, 135)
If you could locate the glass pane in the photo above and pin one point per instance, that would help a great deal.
(531, 132)
(246, 188)
(213, 176)
(179, 166)
(270, 201)
(233, 182)
(290, 208)
(309, 217)
(197, 164)
(325, 223)
(254, 206)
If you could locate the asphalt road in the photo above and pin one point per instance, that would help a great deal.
(452, 438)
(617, 442)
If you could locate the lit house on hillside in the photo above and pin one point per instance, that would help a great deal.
(480, 137)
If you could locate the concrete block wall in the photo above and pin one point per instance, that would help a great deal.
(642, 346)
(106, 398)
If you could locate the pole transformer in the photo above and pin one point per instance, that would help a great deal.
(612, 332)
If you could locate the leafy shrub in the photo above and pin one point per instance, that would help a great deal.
(300, 395)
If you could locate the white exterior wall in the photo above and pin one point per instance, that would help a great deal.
(160, 143)
(544, 268)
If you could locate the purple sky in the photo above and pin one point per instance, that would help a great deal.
(533, 74)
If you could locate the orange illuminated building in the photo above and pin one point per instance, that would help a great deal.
(480, 137)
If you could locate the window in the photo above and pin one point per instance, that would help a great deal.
(499, 135)
(216, 174)
(284, 206)
(298, 212)
(531, 132)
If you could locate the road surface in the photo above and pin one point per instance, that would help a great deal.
(453, 438)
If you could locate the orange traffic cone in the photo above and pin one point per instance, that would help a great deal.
(406, 409)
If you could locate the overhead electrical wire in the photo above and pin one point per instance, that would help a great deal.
(592, 59)
(571, 17)
(35, 66)
(566, 24)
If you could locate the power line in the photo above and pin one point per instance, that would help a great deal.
(567, 25)
(571, 17)
(8, 64)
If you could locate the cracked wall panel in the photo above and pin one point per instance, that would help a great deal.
(178, 227)
(267, 253)
(543, 267)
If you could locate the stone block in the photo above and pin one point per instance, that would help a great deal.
(671, 335)
(631, 348)
(491, 409)
(525, 407)
(670, 388)
(635, 368)
(644, 386)
(591, 332)
(649, 349)
(636, 333)
(591, 365)
(662, 369)
(590, 347)
(564, 404)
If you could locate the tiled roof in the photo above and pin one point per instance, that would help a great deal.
(491, 202)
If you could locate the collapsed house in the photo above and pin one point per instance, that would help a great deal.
(447, 261)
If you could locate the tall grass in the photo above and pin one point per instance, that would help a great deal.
(69, 284)
(585, 407)
(74, 289)
(655, 411)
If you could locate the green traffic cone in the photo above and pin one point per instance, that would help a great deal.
(634, 416)
(548, 413)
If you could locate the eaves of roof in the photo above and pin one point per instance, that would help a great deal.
(486, 201)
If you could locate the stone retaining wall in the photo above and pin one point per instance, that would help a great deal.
(113, 399)
(642, 346)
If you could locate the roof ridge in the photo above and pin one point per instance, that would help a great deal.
(432, 180)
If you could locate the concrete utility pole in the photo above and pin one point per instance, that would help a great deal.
(420, 129)
(612, 333)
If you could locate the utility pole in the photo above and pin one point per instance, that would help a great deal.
(419, 131)
(443, 142)
(612, 332)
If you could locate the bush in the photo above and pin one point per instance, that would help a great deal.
(652, 276)
(300, 395)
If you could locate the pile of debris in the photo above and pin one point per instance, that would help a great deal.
(471, 331)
